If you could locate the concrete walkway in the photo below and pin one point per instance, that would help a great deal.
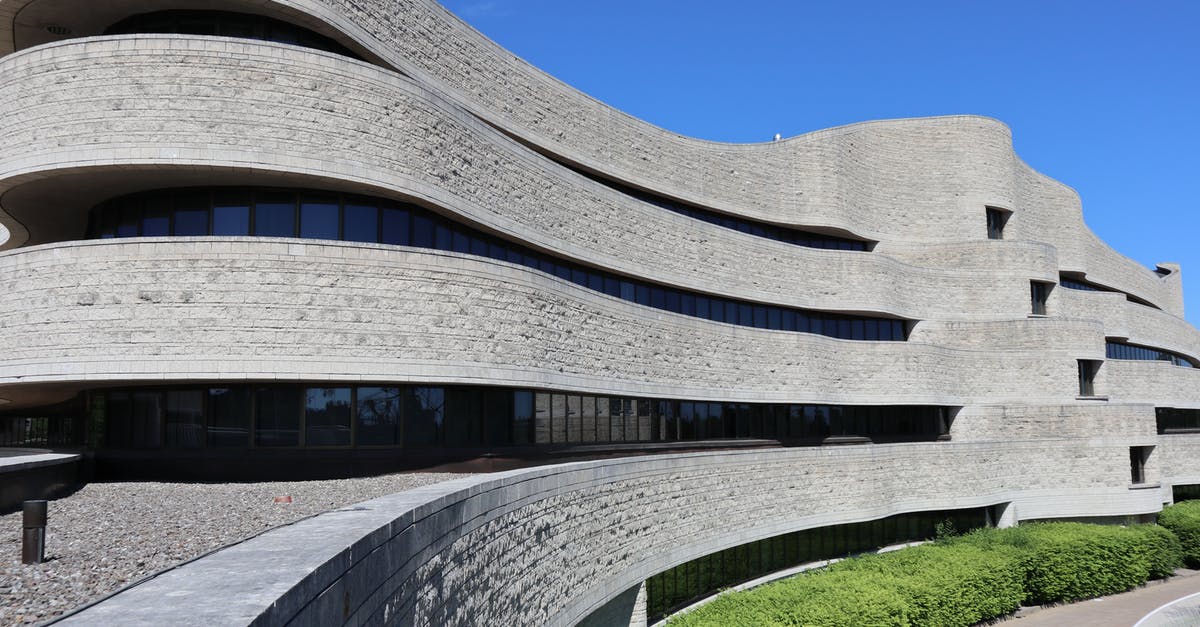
(14, 459)
(1119, 610)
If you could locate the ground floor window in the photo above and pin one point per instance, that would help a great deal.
(455, 416)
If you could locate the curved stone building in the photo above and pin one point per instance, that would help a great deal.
(313, 237)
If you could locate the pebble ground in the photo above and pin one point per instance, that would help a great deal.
(108, 535)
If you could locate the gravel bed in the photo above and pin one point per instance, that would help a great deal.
(108, 535)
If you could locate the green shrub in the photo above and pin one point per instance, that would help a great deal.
(1162, 548)
(817, 599)
(944, 529)
(926, 585)
(950, 584)
(1184, 520)
(1072, 561)
(957, 581)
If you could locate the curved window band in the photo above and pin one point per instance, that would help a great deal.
(789, 235)
(226, 24)
(321, 415)
(320, 215)
(1072, 283)
(1121, 350)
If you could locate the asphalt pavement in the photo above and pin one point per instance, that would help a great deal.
(1118, 610)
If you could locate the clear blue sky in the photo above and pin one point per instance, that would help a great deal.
(1101, 95)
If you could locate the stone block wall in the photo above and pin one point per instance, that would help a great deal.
(443, 117)
(548, 546)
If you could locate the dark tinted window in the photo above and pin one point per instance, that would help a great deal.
(463, 417)
(995, 223)
(277, 416)
(522, 417)
(424, 413)
(396, 225)
(231, 212)
(157, 220)
(185, 419)
(378, 416)
(360, 223)
(275, 216)
(191, 215)
(231, 220)
(422, 235)
(228, 417)
(327, 417)
(319, 218)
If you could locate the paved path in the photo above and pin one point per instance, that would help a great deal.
(1120, 610)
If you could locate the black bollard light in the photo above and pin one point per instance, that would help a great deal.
(33, 542)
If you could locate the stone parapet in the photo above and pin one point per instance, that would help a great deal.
(548, 546)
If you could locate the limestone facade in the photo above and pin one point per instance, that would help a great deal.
(434, 114)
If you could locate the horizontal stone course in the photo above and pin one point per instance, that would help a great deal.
(113, 310)
(710, 259)
(303, 112)
(888, 187)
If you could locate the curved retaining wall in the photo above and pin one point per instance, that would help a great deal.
(550, 545)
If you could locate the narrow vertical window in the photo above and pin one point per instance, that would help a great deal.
(1137, 463)
(1087, 377)
(1039, 292)
(497, 417)
(523, 423)
(996, 219)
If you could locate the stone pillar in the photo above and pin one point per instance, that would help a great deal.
(1006, 515)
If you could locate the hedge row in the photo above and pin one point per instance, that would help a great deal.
(1184, 520)
(959, 581)
(1072, 561)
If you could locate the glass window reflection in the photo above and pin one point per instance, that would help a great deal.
(275, 216)
(319, 218)
(378, 414)
(327, 417)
